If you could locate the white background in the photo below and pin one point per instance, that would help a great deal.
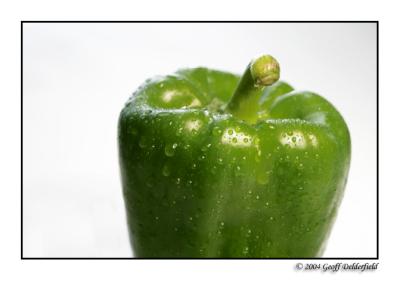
(78, 76)
(11, 14)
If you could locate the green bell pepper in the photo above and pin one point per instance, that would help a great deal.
(214, 165)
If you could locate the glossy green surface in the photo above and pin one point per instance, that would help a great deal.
(201, 182)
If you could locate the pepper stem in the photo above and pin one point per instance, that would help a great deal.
(262, 71)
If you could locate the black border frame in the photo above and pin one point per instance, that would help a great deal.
(129, 258)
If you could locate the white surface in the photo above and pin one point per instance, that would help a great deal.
(78, 76)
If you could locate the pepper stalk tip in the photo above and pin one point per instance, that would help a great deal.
(265, 70)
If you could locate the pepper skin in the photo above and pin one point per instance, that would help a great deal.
(214, 165)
